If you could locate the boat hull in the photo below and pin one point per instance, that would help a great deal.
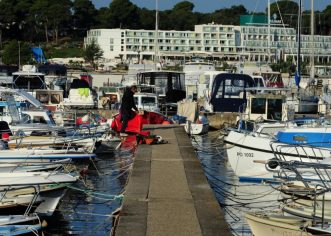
(196, 129)
(248, 155)
(261, 226)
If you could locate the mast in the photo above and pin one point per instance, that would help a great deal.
(298, 73)
(156, 43)
(312, 30)
(268, 32)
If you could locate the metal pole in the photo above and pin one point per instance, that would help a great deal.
(156, 31)
(312, 48)
(19, 55)
(299, 40)
(268, 32)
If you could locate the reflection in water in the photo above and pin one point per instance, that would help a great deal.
(83, 212)
(234, 197)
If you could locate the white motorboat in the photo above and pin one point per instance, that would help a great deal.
(19, 229)
(15, 197)
(196, 128)
(80, 96)
(306, 212)
(275, 225)
(18, 219)
(35, 178)
(27, 155)
(249, 152)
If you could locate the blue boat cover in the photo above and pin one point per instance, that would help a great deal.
(228, 92)
(39, 55)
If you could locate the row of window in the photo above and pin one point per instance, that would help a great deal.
(176, 49)
(217, 29)
(265, 30)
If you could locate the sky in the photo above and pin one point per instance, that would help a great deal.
(212, 5)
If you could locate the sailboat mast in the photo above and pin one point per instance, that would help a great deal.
(156, 31)
(269, 31)
(299, 42)
(312, 32)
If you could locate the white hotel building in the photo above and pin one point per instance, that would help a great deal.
(228, 42)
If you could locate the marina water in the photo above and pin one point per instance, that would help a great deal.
(87, 208)
(234, 197)
(84, 212)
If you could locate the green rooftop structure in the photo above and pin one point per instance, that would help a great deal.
(253, 20)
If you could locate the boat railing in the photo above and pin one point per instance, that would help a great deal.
(35, 188)
(304, 154)
(314, 190)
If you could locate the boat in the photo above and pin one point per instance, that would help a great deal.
(80, 96)
(50, 99)
(196, 128)
(147, 101)
(169, 86)
(275, 225)
(39, 154)
(29, 79)
(18, 196)
(18, 219)
(254, 155)
(188, 114)
(200, 126)
(20, 229)
(135, 125)
(34, 178)
(228, 92)
(195, 72)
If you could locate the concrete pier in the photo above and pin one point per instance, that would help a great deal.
(168, 193)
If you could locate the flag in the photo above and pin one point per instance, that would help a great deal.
(297, 78)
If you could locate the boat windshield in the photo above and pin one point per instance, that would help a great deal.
(148, 100)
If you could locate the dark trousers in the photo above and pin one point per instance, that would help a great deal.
(125, 117)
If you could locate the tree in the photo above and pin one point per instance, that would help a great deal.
(102, 18)
(84, 14)
(228, 16)
(123, 14)
(39, 13)
(286, 10)
(327, 20)
(92, 53)
(184, 6)
(146, 18)
(7, 17)
(60, 15)
(182, 17)
(15, 51)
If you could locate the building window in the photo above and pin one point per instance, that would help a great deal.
(111, 48)
(122, 34)
(111, 40)
(122, 48)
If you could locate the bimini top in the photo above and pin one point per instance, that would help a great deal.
(228, 92)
